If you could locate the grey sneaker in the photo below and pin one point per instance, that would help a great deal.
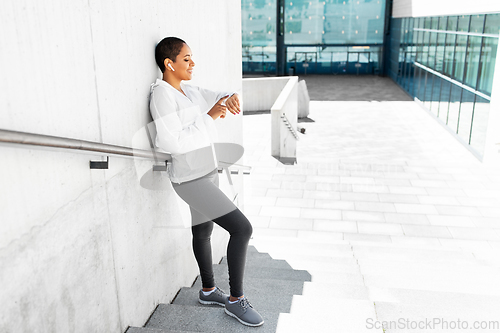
(244, 312)
(217, 297)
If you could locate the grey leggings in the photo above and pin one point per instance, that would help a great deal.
(209, 204)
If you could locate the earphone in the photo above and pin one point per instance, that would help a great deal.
(170, 65)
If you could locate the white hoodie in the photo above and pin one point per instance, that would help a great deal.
(184, 129)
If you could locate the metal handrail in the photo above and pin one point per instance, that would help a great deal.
(32, 139)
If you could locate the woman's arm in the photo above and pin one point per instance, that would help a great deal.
(212, 97)
(171, 136)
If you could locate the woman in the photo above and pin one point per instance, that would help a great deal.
(184, 116)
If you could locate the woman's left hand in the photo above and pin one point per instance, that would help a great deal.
(233, 104)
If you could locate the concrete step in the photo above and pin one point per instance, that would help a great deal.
(290, 243)
(290, 249)
(221, 273)
(277, 250)
(336, 290)
(262, 260)
(269, 285)
(204, 319)
(152, 330)
(435, 315)
(423, 269)
(288, 323)
(478, 285)
(426, 297)
(326, 266)
(277, 243)
(465, 264)
(348, 261)
(335, 277)
(326, 314)
(403, 242)
(264, 294)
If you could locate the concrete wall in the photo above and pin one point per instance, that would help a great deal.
(283, 142)
(261, 93)
(416, 8)
(91, 250)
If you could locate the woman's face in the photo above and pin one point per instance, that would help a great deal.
(184, 64)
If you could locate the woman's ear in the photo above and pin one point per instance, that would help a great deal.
(168, 63)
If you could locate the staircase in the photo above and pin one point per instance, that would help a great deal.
(356, 283)
(269, 285)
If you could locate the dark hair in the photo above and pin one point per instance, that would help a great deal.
(169, 47)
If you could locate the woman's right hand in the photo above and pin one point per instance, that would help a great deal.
(218, 110)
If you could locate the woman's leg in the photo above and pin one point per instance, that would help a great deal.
(209, 203)
(202, 249)
(240, 230)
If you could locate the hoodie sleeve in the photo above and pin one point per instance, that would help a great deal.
(212, 97)
(171, 135)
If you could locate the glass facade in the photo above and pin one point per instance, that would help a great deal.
(326, 37)
(258, 21)
(448, 63)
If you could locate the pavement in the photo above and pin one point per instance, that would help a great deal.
(397, 223)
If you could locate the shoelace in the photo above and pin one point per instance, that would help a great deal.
(219, 292)
(244, 303)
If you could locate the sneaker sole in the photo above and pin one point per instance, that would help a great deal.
(210, 302)
(241, 321)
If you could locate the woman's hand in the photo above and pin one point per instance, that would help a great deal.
(218, 110)
(233, 104)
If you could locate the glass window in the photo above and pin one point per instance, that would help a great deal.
(427, 22)
(407, 71)
(444, 100)
(428, 91)
(259, 59)
(334, 22)
(454, 107)
(258, 33)
(440, 51)
(431, 60)
(302, 60)
(416, 82)
(472, 64)
(492, 24)
(435, 23)
(479, 124)
(339, 61)
(452, 23)
(459, 61)
(416, 77)
(488, 58)
(419, 45)
(463, 23)
(443, 21)
(425, 48)
(411, 74)
(421, 85)
(449, 54)
(404, 31)
(410, 34)
(476, 23)
(435, 97)
(465, 118)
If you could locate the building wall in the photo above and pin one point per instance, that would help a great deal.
(92, 250)
(334, 25)
(417, 8)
